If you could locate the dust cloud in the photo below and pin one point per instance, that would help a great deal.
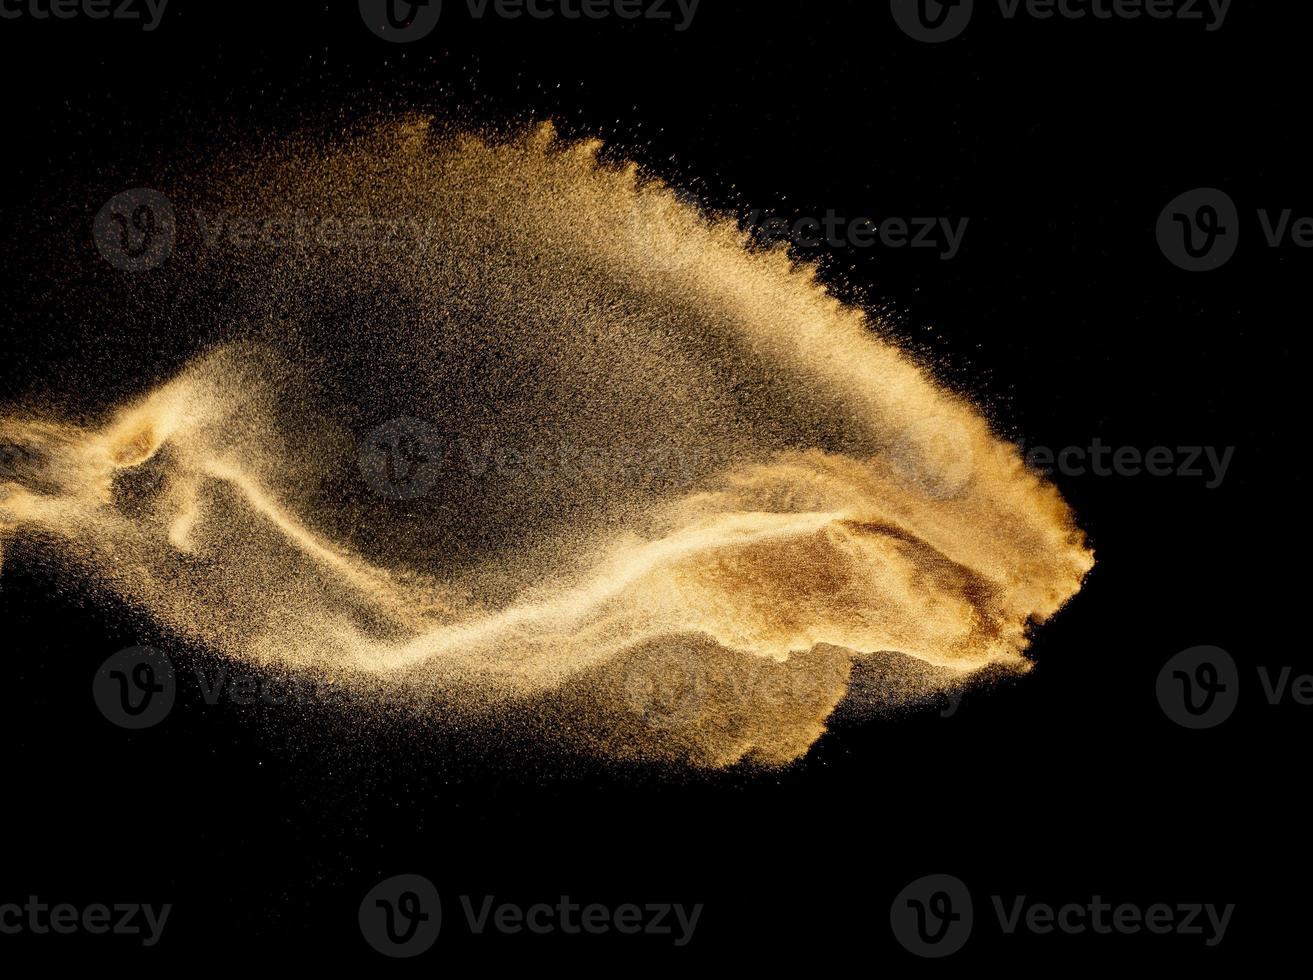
(496, 424)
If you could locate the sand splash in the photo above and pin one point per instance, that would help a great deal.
(653, 476)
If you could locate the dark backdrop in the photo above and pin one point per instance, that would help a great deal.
(1062, 141)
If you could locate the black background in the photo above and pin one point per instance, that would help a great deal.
(1062, 141)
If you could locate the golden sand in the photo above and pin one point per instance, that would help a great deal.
(817, 500)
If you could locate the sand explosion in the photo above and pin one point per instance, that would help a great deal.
(499, 426)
